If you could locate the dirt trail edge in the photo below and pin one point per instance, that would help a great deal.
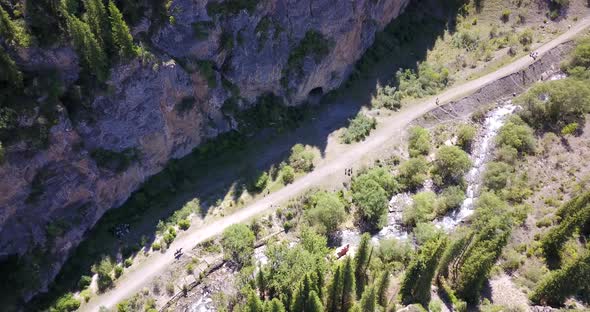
(134, 280)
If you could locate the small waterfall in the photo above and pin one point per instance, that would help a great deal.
(479, 156)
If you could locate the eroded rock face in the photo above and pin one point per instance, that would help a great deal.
(162, 110)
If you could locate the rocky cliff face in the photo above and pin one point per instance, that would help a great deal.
(155, 109)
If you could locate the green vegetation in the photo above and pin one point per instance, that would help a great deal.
(554, 104)
(238, 244)
(422, 209)
(497, 175)
(66, 303)
(287, 174)
(415, 286)
(450, 165)
(370, 194)
(518, 135)
(578, 65)
(326, 212)
(230, 7)
(418, 141)
(386, 97)
(358, 129)
(122, 39)
(413, 173)
(428, 80)
(301, 159)
(465, 136)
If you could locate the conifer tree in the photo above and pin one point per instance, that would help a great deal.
(9, 72)
(97, 18)
(302, 296)
(348, 285)
(261, 282)
(368, 301)
(320, 284)
(382, 286)
(361, 260)
(415, 286)
(314, 303)
(275, 305)
(91, 54)
(122, 39)
(253, 303)
(335, 291)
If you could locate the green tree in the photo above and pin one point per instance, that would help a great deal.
(361, 260)
(450, 165)
(238, 244)
(371, 200)
(66, 303)
(415, 285)
(327, 212)
(383, 177)
(315, 303)
(275, 305)
(120, 33)
(97, 18)
(413, 173)
(335, 291)
(368, 301)
(103, 270)
(9, 72)
(421, 210)
(348, 285)
(253, 303)
(92, 55)
(450, 198)
(517, 134)
(382, 287)
(497, 175)
(301, 159)
(419, 141)
(465, 136)
(560, 284)
(579, 63)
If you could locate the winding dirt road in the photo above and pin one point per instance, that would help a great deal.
(141, 276)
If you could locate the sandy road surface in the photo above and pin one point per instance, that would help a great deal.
(133, 281)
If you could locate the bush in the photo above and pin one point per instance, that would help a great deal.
(358, 129)
(506, 15)
(288, 174)
(553, 104)
(422, 209)
(450, 165)
(128, 262)
(84, 281)
(450, 198)
(394, 250)
(371, 200)
(386, 97)
(118, 271)
(413, 173)
(1, 154)
(569, 129)
(103, 270)
(238, 244)
(465, 136)
(326, 213)
(66, 303)
(516, 134)
(301, 159)
(579, 63)
(497, 175)
(429, 80)
(526, 38)
(507, 154)
(169, 236)
(424, 232)
(419, 141)
(156, 246)
(184, 224)
(383, 177)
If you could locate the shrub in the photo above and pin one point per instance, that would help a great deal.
(554, 104)
(422, 209)
(169, 236)
(496, 175)
(103, 270)
(1, 154)
(419, 141)
(238, 244)
(394, 250)
(424, 232)
(569, 129)
(578, 64)
(512, 260)
(184, 224)
(170, 288)
(516, 134)
(450, 198)
(383, 177)
(128, 262)
(467, 40)
(526, 38)
(66, 303)
(450, 165)
(84, 281)
(358, 129)
(326, 213)
(288, 174)
(301, 159)
(506, 15)
(507, 154)
(386, 97)
(465, 136)
(413, 173)
(371, 199)
(118, 271)
(156, 246)
(429, 80)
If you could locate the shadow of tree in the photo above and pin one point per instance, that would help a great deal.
(224, 166)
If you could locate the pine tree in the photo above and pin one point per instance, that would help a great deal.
(355, 308)
(382, 286)
(275, 305)
(314, 303)
(302, 295)
(97, 18)
(348, 285)
(320, 283)
(120, 33)
(415, 286)
(9, 72)
(335, 291)
(253, 303)
(91, 54)
(361, 260)
(368, 301)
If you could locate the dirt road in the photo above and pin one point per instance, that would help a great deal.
(142, 275)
